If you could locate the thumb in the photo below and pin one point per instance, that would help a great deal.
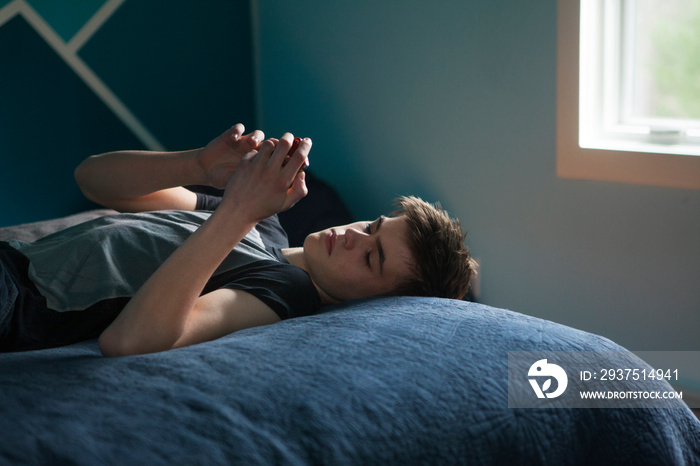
(297, 191)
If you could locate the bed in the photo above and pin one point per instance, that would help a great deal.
(377, 381)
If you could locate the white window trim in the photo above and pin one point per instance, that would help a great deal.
(647, 168)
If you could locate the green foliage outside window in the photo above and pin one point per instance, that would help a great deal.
(676, 68)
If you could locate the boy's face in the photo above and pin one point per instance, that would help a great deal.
(358, 260)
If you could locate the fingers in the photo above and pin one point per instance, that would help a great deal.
(253, 139)
(299, 160)
(256, 137)
(275, 155)
(237, 132)
(277, 152)
(266, 150)
(284, 145)
(297, 191)
(295, 146)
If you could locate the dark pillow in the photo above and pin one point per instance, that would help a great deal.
(320, 209)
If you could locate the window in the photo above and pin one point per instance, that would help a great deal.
(628, 98)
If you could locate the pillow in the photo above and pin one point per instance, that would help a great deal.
(33, 231)
(378, 381)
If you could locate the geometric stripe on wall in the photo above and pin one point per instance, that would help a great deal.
(67, 48)
(103, 75)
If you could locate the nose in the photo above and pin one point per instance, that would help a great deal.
(353, 237)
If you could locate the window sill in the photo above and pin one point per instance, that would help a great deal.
(648, 166)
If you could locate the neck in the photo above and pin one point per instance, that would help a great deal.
(295, 256)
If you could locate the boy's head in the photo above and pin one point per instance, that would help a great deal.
(442, 264)
(418, 251)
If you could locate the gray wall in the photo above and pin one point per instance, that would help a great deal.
(455, 101)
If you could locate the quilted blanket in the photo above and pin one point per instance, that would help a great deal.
(378, 381)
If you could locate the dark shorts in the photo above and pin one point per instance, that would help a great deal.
(26, 323)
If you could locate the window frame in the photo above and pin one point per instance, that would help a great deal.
(622, 166)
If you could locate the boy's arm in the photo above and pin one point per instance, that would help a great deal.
(221, 312)
(136, 181)
(168, 310)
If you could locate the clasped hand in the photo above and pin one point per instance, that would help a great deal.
(270, 179)
(220, 158)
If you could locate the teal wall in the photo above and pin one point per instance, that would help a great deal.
(455, 100)
(180, 71)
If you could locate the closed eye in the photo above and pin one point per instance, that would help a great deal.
(368, 230)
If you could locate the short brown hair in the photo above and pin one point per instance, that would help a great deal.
(442, 264)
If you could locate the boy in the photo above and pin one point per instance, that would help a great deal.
(171, 275)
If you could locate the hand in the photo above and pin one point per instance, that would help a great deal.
(268, 181)
(220, 158)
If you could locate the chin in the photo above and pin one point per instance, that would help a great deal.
(311, 241)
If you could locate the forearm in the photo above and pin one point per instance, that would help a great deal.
(156, 317)
(135, 180)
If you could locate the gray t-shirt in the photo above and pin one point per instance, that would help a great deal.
(72, 284)
(113, 256)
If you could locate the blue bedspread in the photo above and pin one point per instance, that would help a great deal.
(380, 381)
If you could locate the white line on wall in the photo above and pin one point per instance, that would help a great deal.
(68, 54)
(9, 11)
(93, 25)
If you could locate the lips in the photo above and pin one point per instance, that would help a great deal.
(330, 241)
